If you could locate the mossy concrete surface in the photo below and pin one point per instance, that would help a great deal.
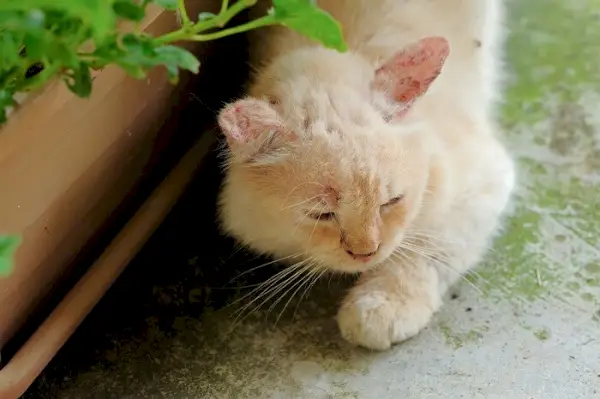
(525, 325)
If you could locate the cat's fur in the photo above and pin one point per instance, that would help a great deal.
(324, 132)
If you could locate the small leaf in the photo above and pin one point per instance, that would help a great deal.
(305, 17)
(35, 45)
(178, 56)
(98, 15)
(167, 4)
(8, 246)
(80, 80)
(9, 49)
(141, 53)
(108, 49)
(128, 10)
(173, 72)
(6, 101)
(63, 54)
(139, 47)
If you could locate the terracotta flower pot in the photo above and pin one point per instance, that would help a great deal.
(65, 165)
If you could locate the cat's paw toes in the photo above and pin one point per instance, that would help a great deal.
(375, 322)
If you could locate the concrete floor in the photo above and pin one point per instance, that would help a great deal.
(525, 326)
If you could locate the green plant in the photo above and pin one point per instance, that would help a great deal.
(43, 39)
(40, 39)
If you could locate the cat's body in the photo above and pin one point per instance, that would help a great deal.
(348, 161)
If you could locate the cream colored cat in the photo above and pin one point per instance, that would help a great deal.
(383, 160)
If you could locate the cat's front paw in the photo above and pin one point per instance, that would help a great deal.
(376, 321)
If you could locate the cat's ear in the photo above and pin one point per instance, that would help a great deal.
(253, 129)
(408, 74)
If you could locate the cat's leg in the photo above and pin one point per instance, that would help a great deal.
(390, 304)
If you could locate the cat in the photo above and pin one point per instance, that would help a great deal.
(384, 161)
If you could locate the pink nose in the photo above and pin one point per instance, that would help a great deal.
(362, 257)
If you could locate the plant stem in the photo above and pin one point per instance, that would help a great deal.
(224, 5)
(189, 32)
(185, 18)
(257, 23)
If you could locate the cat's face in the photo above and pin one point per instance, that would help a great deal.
(334, 172)
(345, 202)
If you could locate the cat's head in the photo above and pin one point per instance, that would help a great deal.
(325, 160)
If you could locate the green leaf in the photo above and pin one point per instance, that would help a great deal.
(62, 53)
(80, 80)
(108, 49)
(98, 14)
(173, 55)
(6, 100)
(51, 33)
(305, 17)
(35, 45)
(128, 10)
(134, 54)
(8, 246)
(139, 47)
(10, 44)
(142, 53)
(167, 4)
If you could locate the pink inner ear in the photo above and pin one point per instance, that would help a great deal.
(409, 73)
(247, 120)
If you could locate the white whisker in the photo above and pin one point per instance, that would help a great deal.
(300, 203)
(308, 288)
(263, 265)
(304, 218)
(273, 289)
(312, 275)
(297, 283)
(438, 259)
(272, 280)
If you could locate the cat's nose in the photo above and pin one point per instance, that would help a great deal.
(362, 249)
(365, 257)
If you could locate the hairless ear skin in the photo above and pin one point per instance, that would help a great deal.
(252, 126)
(410, 72)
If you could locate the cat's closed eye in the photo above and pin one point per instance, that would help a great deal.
(393, 201)
(322, 216)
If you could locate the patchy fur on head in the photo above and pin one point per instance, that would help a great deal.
(324, 158)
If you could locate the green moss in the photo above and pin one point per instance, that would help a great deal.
(586, 296)
(550, 55)
(542, 335)
(593, 267)
(512, 269)
(549, 246)
(458, 340)
(593, 282)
